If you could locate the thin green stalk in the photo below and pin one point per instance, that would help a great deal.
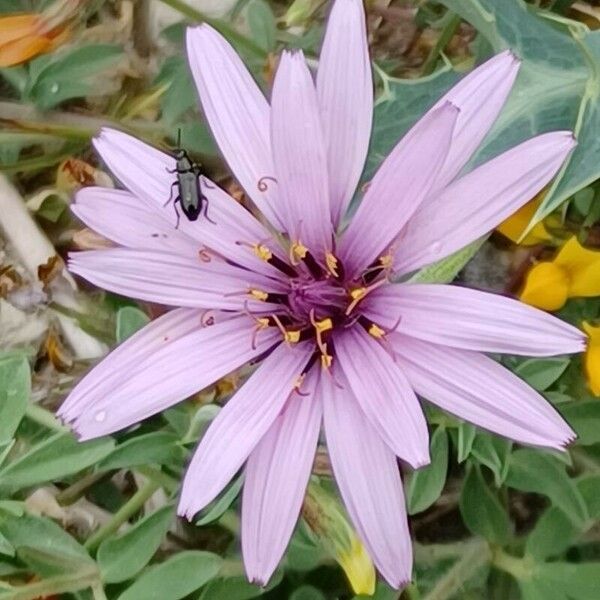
(98, 592)
(445, 36)
(229, 32)
(519, 568)
(126, 511)
(460, 572)
(170, 484)
(60, 584)
(77, 490)
(44, 417)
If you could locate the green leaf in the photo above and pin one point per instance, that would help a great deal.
(541, 373)
(493, 452)
(15, 388)
(129, 320)
(577, 581)
(466, 437)
(535, 589)
(52, 460)
(216, 509)
(71, 73)
(180, 93)
(424, 486)
(237, 588)
(122, 557)
(481, 510)
(533, 471)
(307, 592)
(553, 533)
(175, 578)
(589, 487)
(261, 21)
(45, 546)
(584, 418)
(157, 447)
(6, 547)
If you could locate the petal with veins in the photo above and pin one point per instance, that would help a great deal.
(474, 204)
(299, 155)
(345, 91)
(399, 186)
(164, 363)
(470, 319)
(368, 477)
(275, 481)
(172, 280)
(239, 427)
(384, 395)
(237, 112)
(479, 390)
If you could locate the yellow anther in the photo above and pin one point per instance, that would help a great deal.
(376, 331)
(358, 293)
(386, 261)
(292, 337)
(258, 294)
(262, 322)
(324, 325)
(326, 360)
(332, 264)
(262, 252)
(297, 252)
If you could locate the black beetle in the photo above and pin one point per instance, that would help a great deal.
(190, 196)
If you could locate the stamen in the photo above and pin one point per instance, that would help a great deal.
(298, 385)
(262, 252)
(297, 252)
(204, 255)
(332, 264)
(357, 294)
(376, 331)
(326, 360)
(258, 294)
(289, 337)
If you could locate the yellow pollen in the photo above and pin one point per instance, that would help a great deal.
(324, 325)
(258, 294)
(358, 293)
(376, 331)
(386, 261)
(299, 382)
(262, 322)
(292, 337)
(332, 264)
(297, 252)
(326, 360)
(262, 252)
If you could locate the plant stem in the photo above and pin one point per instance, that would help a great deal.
(44, 417)
(461, 571)
(98, 592)
(445, 36)
(126, 511)
(74, 492)
(52, 586)
(229, 32)
(170, 484)
(519, 568)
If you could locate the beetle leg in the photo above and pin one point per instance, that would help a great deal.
(171, 170)
(205, 199)
(171, 194)
(178, 199)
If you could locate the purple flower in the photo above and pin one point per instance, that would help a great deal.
(312, 301)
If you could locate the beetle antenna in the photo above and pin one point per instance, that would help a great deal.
(178, 137)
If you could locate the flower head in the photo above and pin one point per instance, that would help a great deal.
(311, 302)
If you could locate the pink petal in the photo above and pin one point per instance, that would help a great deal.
(241, 424)
(475, 204)
(127, 221)
(369, 481)
(225, 226)
(164, 363)
(345, 91)
(172, 279)
(299, 155)
(480, 96)
(237, 112)
(385, 395)
(454, 316)
(477, 389)
(275, 481)
(399, 186)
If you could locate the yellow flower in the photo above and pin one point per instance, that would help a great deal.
(515, 225)
(573, 273)
(358, 567)
(591, 359)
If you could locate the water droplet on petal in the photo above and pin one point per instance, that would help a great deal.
(436, 247)
(54, 88)
(100, 416)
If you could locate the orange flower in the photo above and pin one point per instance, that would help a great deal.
(25, 36)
